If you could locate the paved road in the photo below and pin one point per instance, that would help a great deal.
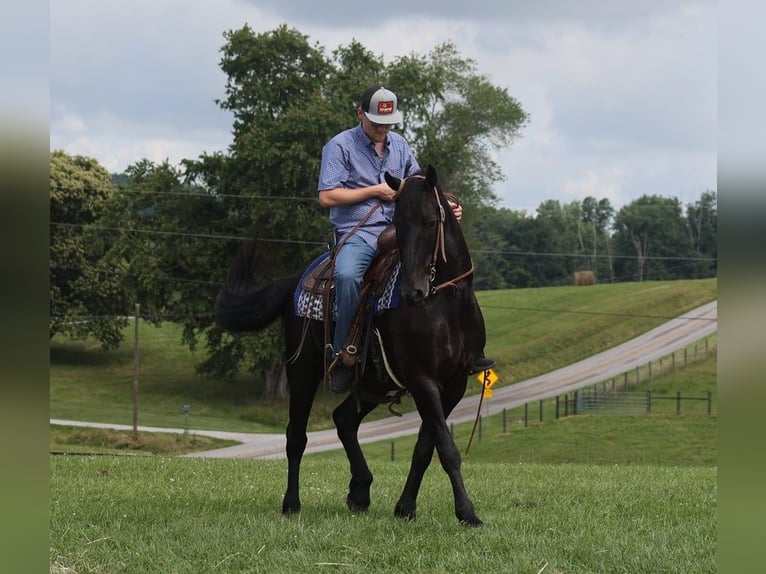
(659, 342)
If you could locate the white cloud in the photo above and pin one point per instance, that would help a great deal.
(621, 96)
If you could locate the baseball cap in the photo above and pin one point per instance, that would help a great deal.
(379, 105)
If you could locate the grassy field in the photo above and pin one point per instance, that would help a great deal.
(581, 494)
(529, 332)
(171, 515)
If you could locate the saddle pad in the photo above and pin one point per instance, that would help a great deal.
(311, 305)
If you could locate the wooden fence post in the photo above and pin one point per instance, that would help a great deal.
(135, 373)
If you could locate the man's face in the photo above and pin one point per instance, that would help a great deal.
(376, 132)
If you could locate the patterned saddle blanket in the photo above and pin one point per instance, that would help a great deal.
(311, 304)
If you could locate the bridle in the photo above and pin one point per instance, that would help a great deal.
(438, 246)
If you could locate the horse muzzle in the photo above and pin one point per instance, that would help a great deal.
(415, 293)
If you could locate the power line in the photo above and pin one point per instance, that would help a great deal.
(182, 234)
(321, 243)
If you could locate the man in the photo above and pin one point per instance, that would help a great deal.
(351, 183)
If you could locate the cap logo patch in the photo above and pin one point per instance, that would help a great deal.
(386, 107)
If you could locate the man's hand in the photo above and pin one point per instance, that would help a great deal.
(383, 192)
(457, 210)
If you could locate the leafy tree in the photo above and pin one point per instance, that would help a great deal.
(552, 235)
(88, 296)
(596, 216)
(288, 98)
(276, 89)
(702, 225)
(455, 118)
(494, 268)
(651, 231)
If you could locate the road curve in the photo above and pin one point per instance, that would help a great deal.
(659, 342)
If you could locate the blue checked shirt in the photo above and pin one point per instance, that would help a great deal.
(349, 160)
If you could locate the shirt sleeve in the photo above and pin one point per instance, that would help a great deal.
(334, 168)
(411, 164)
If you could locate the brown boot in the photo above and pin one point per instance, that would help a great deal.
(341, 378)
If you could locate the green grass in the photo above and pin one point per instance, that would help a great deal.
(529, 332)
(579, 494)
(84, 440)
(533, 331)
(170, 515)
(662, 438)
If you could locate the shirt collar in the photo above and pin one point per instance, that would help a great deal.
(366, 139)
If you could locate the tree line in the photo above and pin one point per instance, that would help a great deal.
(163, 235)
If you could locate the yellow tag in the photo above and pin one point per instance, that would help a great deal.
(487, 393)
(492, 378)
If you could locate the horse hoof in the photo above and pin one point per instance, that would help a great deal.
(408, 515)
(474, 522)
(357, 507)
(289, 510)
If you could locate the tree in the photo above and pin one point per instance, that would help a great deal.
(702, 225)
(88, 269)
(554, 242)
(652, 226)
(455, 118)
(288, 98)
(596, 216)
(494, 268)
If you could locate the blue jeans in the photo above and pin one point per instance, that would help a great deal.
(351, 262)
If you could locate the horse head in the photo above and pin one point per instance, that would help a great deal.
(421, 215)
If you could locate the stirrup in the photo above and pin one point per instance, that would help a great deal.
(347, 356)
(480, 365)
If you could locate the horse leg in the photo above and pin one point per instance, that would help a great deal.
(421, 459)
(347, 417)
(302, 392)
(434, 415)
(296, 445)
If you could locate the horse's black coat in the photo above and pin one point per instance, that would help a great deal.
(431, 342)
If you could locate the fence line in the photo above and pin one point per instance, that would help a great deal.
(614, 396)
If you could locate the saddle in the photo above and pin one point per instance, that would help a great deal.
(318, 281)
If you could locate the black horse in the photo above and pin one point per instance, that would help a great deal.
(430, 344)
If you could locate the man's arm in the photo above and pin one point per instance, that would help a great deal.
(345, 196)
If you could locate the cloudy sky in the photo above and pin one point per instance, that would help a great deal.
(621, 94)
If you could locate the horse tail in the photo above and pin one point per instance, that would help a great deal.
(241, 307)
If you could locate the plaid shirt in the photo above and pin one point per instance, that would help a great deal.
(349, 160)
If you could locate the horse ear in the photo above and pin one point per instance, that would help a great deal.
(431, 176)
(392, 181)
